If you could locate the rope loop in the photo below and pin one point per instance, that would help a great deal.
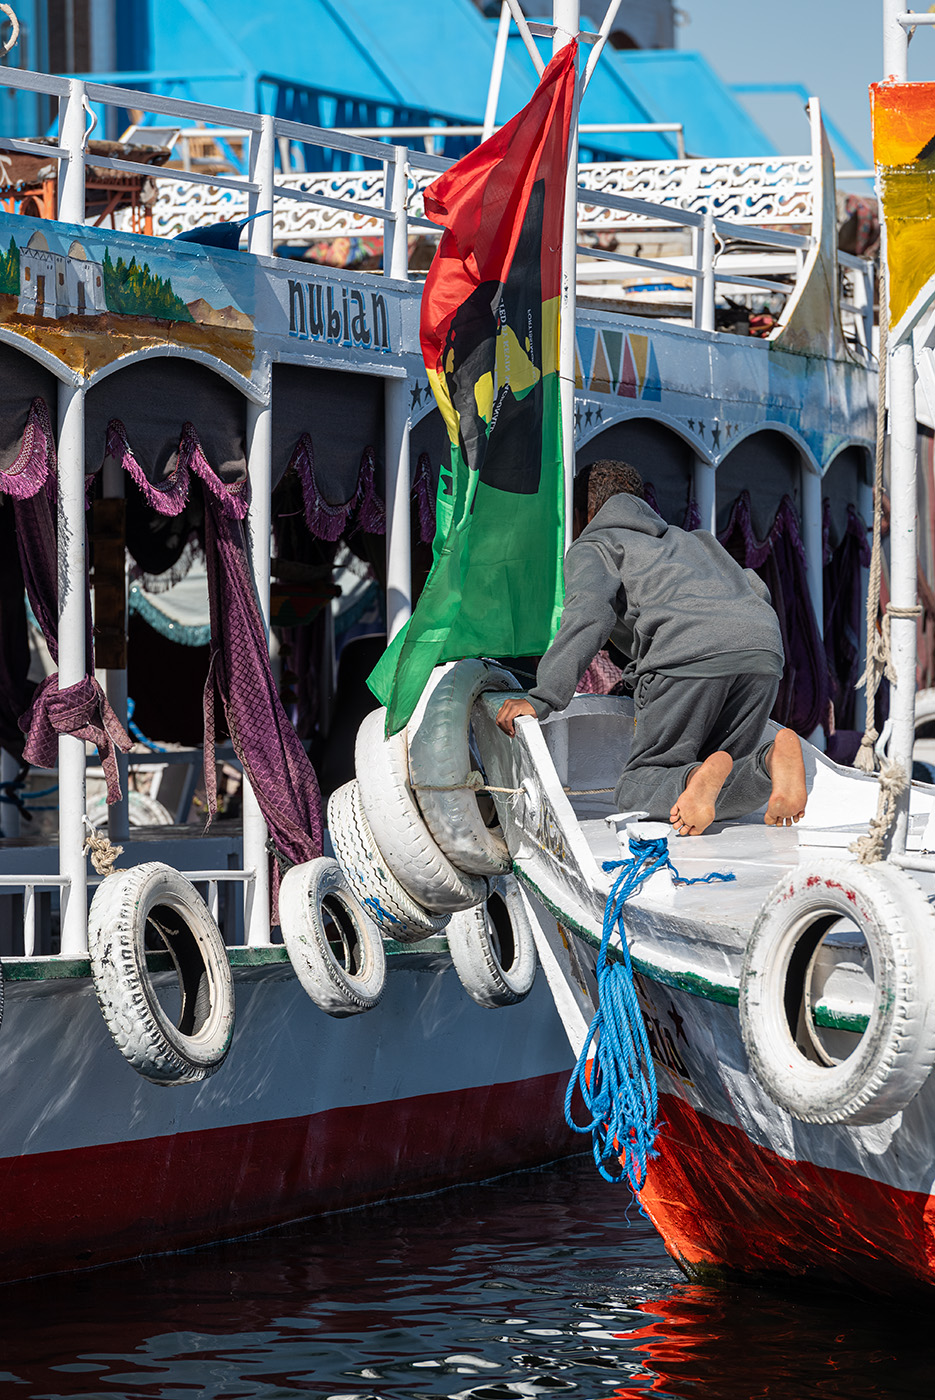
(617, 1080)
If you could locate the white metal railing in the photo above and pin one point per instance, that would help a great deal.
(27, 885)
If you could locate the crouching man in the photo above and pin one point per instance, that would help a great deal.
(704, 655)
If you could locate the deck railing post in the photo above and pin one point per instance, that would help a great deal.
(255, 831)
(9, 812)
(706, 264)
(72, 124)
(72, 662)
(262, 173)
(396, 230)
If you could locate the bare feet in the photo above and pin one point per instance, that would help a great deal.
(693, 812)
(787, 771)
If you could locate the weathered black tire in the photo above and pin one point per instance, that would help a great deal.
(157, 1049)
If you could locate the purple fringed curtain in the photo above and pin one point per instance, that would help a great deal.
(802, 702)
(81, 710)
(265, 742)
(328, 521)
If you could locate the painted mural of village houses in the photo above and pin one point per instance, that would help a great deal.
(89, 308)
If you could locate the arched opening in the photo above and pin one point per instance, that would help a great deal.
(663, 459)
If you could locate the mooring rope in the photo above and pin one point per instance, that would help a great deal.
(103, 854)
(620, 1090)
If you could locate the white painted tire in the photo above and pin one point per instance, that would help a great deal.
(318, 914)
(398, 828)
(369, 876)
(893, 1057)
(153, 898)
(440, 766)
(493, 948)
(142, 810)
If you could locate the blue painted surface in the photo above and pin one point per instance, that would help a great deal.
(398, 62)
(686, 88)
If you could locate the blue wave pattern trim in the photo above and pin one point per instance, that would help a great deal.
(620, 1093)
(194, 636)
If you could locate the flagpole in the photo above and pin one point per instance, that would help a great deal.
(566, 17)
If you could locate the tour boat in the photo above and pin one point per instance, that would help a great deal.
(174, 1072)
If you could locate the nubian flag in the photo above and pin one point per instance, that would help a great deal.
(490, 312)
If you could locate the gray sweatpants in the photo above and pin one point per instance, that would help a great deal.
(680, 720)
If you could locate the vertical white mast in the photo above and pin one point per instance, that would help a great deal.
(903, 510)
(566, 18)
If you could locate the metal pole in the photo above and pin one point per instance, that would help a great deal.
(396, 230)
(115, 684)
(903, 521)
(496, 71)
(255, 831)
(71, 132)
(72, 641)
(566, 18)
(707, 273)
(895, 42)
(398, 541)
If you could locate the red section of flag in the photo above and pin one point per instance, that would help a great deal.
(481, 203)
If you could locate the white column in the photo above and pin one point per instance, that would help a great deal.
(567, 20)
(496, 71)
(72, 124)
(255, 831)
(865, 510)
(895, 41)
(72, 574)
(903, 567)
(704, 490)
(115, 686)
(398, 541)
(396, 229)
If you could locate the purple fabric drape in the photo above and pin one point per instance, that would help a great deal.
(265, 742)
(82, 709)
(804, 691)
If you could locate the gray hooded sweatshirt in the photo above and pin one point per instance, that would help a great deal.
(673, 602)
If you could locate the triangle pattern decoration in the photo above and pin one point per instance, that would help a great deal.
(627, 386)
(600, 374)
(613, 346)
(639, 344)
(585, 337)
(652, 384)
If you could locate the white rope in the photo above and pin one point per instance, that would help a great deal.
(103, 854)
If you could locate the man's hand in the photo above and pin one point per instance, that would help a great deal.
(511, 710)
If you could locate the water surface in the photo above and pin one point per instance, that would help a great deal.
(534, 1284)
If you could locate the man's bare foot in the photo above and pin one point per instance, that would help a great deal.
(787, 771)
(693, 812)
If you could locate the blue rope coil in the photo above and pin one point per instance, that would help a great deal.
(620, 1093)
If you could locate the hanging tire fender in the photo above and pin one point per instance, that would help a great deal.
(375, 886)
(893, 1057)
(440, 767)
(155, 899)
(493, 948)
(317, 912)
(399, 830)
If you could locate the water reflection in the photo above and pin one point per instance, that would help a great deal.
(531, 1285)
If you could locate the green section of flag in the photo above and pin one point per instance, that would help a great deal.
(495, 588)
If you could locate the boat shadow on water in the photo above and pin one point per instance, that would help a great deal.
(529, 1285)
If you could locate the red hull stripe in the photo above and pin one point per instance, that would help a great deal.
(93, 1205)
(720, 1200)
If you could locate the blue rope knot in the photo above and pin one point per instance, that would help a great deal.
(620, 1093)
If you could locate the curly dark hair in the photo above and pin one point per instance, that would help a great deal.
(606, 479)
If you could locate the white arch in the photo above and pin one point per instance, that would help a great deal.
(32, 351)
(624, 413)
